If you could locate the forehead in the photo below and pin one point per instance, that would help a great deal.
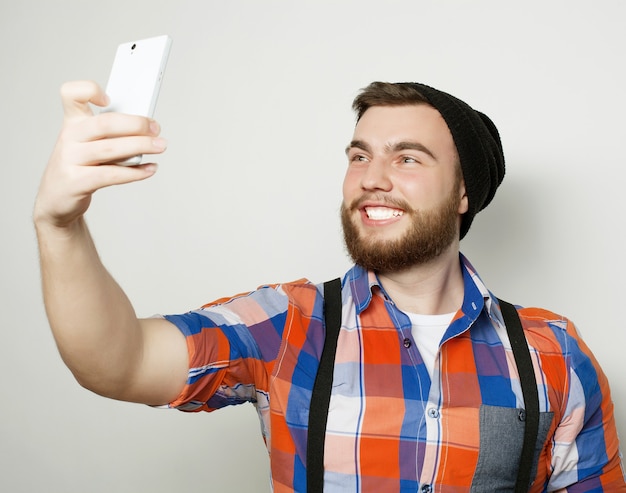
(386, 125)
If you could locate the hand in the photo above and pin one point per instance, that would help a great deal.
(87, 142)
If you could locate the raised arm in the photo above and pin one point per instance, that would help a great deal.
(108, 349)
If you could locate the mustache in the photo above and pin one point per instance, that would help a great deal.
(381, 199)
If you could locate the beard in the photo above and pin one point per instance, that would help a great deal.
(430, 233)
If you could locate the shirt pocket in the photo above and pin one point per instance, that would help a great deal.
(501, 440)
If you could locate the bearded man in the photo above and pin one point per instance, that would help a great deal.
(424, 391)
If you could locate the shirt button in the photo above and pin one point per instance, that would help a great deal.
(433, 413)
(521, 415)
(426, 488)
(407, 343)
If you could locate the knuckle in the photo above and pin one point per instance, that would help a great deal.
(121, 124)
(68, 89)
(138, 125)
(78, 91)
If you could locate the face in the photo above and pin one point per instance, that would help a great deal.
(403, 194)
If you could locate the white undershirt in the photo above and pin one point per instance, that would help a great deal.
(427, 331)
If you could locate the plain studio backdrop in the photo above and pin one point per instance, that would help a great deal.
(255, 105)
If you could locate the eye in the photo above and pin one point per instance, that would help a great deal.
(359, 158)
(409, 160)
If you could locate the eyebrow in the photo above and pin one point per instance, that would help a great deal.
(390, 148)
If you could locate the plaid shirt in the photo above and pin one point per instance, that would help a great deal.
(390, 427)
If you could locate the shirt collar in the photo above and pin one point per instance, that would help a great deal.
(477, 297)
(362, 284)
(483, 296)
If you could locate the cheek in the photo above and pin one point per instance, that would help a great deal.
(351, 183)
(416, 191)
(422, 192)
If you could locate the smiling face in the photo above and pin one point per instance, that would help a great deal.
(403, 191)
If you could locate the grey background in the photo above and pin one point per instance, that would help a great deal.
(256, 107)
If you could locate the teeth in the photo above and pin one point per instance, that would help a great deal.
(381, 213)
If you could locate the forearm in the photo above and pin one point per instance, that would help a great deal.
(95, 327)
(92, 320)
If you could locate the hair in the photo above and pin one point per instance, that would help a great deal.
(387, 94)
(393, 94)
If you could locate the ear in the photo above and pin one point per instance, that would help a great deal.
(464, 202)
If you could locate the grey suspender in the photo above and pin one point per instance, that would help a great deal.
(320, 398)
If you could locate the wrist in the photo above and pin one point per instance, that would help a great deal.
(47, 226)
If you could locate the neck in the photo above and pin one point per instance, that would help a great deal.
(430, 289)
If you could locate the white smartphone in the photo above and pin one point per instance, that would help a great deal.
(135, 79)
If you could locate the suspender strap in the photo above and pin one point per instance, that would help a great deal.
(529, 391)
(320, 397)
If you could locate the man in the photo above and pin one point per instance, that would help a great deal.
(425, 393)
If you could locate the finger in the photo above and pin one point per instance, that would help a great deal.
(106, 175)
(111, 125)
(117, 149)
(77, 95)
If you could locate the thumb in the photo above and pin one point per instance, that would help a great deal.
(76, 96)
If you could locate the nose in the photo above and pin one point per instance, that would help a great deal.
(376, 176)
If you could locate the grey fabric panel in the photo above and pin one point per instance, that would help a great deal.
(501, 439)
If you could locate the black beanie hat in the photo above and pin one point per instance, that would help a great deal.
(478, 146)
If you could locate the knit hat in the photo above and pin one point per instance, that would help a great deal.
(478, 146)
